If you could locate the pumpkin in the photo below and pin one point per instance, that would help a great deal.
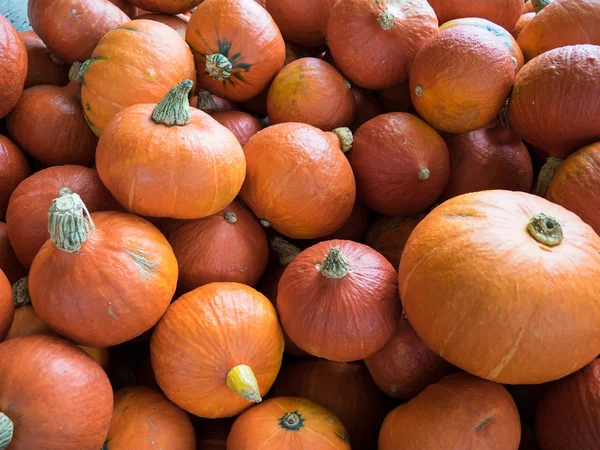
(571, 75)
(405, 366)
(9, 263)
(42, 66)
(227, 246)
(338, 300)
(576, 185)
(135, 63)
(460, 411)
(27, 212)
(241, 124)
(311, 91)
(374, 43)
(145, 419)
(396, 99)
(26, 321)
(528, 333)
(210, 104)
(302, 23)
(460, 79)
(132, 258)
(401, 164)
(72, 28)
(288, 422)
(521, 24)
(566, 415)
(237, 47)
(14, 168)
(367, 107)
(528, 7)
(290, 168)
(52, 396)
(559, 24)
(345, 389)
(489, 158)
(13, 66)
(217, 350)
(179, 23)
(126, 7)
(48, 123)
(7, 309)
(212, 434)
(501, 12)
(166, 6)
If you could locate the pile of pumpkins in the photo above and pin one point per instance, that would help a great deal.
(284, 224)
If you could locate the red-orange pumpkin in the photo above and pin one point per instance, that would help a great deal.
(241, 124)
(14, 168)
(302, 23)
(528, 333)
(179, 23)
(502, 12)
(13, 66)
(126, 7)
(9, 263)
(7, 309)
(42, 66)
(367, 107)
(210, 103)
(26, 321)
(166, 6)
(528, 7)
(521, 24)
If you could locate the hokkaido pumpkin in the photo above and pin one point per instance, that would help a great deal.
(528, 333)
(27, 212)
(367, 107)
(126, 7)
(460, 411)
(179, 23)
(300, 22)
(571, 75)
(237, 47)
(42, 66)
(53, 394)
(72, 28)
(26, 321)
(135, 63)
(401, 164)
(13, 66)
(338, 300)
(9, 263)
(170, 160)
(166, 6)
(14, 168)
(396, 99)
(241, 124)
(521, 24)
(212, 434)
(311, 91)
(288, 422)
(460, 79)
(7, 309)
(217, 350)
(528, 7)
(374, 43)
(501, 12)
(210, 104)
(290, 168)
(145, 419)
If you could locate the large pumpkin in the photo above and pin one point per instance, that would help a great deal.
(54, 395)
(531, 262)
(502, 12)
(338, 300)
(9, 263)
(217, 350)
(14, 168)
(290, 168)
(42, 66)
(374, 42)
(570, 74)
(461, 78)
(521, 24)
(137, 62)
(166, 6)
(13, 66)
(460, 411)
(241, 124)
(7, 309)
(170, 160)
(237, 47)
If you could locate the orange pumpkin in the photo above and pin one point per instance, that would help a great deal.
(179, 23)
(521, 24)
(166, 6)
(9, 263)
(528, 333)
(501, 12)
(241, 124)
(528, 7)
(237, 47)
(14, 168)
(13, 66)
(290, 168)
(461, 78)
(374, 43)
(7, 309)
(126, 7)
(42, 66)
(460, 411)
(311, 91)
(137, 62)
(302, 23)
(288, 423)
(217, 349)
(26, 321)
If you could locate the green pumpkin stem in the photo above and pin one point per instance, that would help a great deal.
(76, 72)
(285, 251)
(230, 217)
(6, 431)
(546, 174)
(21, 292)
(206, 101)
(335, 264)
(218, 66)
(545, 229)
(345, 136)
(174, 108)
(69, 221)
(423, 173)
(538, 5)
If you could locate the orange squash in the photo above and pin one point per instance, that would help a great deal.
(528, 333)
(26, 321)
(237, 47)
(241, 124)
(100, 355)
(217, 350)
(501, 12)
(7, 309)
(166, 6)
(521, 24)
(14, 168)
(42, 66)
(13, 66)
(528, 7)
(302, 23)
(9, 263)
(179, 22)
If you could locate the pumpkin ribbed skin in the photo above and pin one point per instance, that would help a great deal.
(13, 66)
(14, 168)
(501, 12)
(460, 411)
(521, 24)
(41, 67)
(9, 263)
(241, 124)
(179, 23)
(7, 309)
(529, 333)
(166, 6)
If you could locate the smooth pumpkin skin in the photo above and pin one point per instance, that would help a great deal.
(9, 263)
(371, 57)
(13, 66)
(207, 332)
(241, 124)
(388, 157)
(529, 333)
(261, 426)
(166, 6)
(14, 168)
(300, 22)
(179, 22)
(570, 74)
(501, 12)
(145, 419)
(39, 370)
(243, 32)
(290, 167)
(460, 411)
(135, 63)
(7, 309)
(521, 24)
(72, 28)
(311, 91)
(460, 79)
(42, 68)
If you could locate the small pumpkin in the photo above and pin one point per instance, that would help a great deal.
(9, 263)
(166, 6)
(14, 168)
(521, 24)
(179, 22)
(367, 107)
(241, 124)
(26, 321)
(217, 350)
(288, 422)
(528, 7)
(7, 309)
(126, 7)
(504, 13)
(237, 47)
(210, 104)
(42, 66)
(302, 23)
(396, 98)
(13, 66)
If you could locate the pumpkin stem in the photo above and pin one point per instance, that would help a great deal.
(205, 101)
(75, 72)
(503, 116)
(285, 251)
(241, 379)
(423, 173)
(174, 108)
(546, 174)
(545, 229)
(335, 264)
(345, 136)
(538, 5)
(265, 223)
(6, 431)
(56, 60)
(218, 67)
(230, 217)
(291, 421)
(386, 20)
(21, 292)
(69, 221)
